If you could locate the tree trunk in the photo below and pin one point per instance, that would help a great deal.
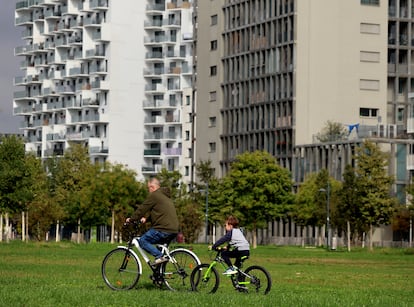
(1, 227)
(27, 226)
(79, 230)
(57, 230)
(363, 239)
(348, 226)
(7, 228)
(301, 235)
(23, 227)
(254, 237)
(371, 247)
(113, 226)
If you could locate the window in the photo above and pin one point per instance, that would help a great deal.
(213, 45)
(213, 20)
(212, 147)
(369, 28)
(213, 70)
(400, 114)
(369, 85)
(368, 56)
(187, 135)
(212, 121)
(367, 112)
(187, 171)
(187, 100)
(213, 96)
(370, 2)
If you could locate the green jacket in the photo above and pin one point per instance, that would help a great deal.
(160, 210)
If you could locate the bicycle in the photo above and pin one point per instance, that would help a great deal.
(205, 277)
(122, 268)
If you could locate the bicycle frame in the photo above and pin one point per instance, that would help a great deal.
(135, 243)
(234, 278)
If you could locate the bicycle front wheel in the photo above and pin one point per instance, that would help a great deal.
(205, 279)
(121, 269)
(256, 279)
(177, 273)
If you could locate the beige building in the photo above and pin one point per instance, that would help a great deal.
(273, 72)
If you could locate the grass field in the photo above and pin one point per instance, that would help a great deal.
(66, 274)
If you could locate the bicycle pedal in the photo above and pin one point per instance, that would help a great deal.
(241, 288)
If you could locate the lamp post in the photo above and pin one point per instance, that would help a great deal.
(206, 213)
(328, 214)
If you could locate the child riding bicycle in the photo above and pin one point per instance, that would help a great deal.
(238, 242)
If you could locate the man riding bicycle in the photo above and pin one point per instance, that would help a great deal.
(160, 210)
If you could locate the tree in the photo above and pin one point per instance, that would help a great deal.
(349, 209)
(401, 223)
(71, 178)
(256, 190)
(33, 195)
(189, 216)
(332, 132)
(374, 187)
(113, 194)
(12, 172)
(21, 176)
(205, 172)
(311, 200)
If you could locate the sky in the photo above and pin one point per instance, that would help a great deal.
(10, 37)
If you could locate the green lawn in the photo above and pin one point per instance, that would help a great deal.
(66, 274)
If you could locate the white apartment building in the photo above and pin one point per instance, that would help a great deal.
(107, 74)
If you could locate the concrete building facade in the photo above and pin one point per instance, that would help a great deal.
(288, 67)
(110, 75)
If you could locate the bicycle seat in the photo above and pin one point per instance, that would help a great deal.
(242, 259)
(166, 241)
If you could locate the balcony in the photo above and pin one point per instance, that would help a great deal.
(155, 88)
(23, 20)
(95, 53)
(99, 4)
(80, 135)
(155, 8)
(22, 110)
(172, 151)
(156, 168)
(410, 162)
(98, 150)
(153, 24)
(23, 50)
(53, 152)
(55, 137)
(153, 72)
(160, 104)
(161, 135)
(152, 152)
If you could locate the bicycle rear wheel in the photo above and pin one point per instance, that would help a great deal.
(177, 273)
(205, 279)
(257, 280)
(121, 269)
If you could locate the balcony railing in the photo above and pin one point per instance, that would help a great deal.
(152, 152)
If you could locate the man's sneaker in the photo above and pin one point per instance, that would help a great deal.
(160, 260)
(230, 271)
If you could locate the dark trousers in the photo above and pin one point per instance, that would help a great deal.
(226, 255)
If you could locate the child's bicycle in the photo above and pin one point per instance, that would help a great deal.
(205, 277)
(122, 268)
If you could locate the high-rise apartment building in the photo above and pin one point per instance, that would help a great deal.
(114, 76)
(274, 72)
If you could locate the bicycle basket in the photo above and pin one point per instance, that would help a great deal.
(129, 231)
